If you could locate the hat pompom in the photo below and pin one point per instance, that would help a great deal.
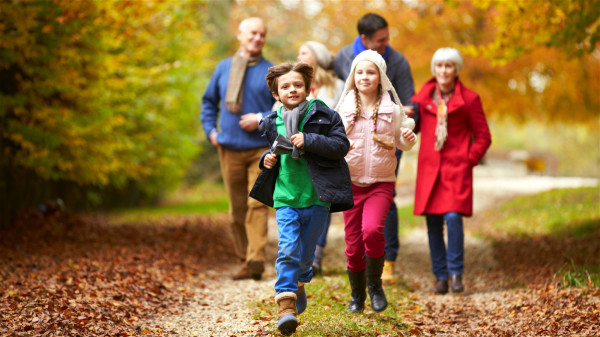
(408, 123)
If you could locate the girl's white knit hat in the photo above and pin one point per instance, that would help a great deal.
(386, 85)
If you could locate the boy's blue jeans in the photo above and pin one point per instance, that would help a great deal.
(451, 261)
(299, 230)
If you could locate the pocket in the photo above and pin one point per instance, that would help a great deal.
(355, 158)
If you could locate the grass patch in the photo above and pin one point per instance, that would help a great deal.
(579, 276)
(202, 199)
(407, 220)
(553, 234)
(574, 212)
(326, 315)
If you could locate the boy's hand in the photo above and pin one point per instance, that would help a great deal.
(298, 139)
(409, 110)
(409, 135)
(270, 160)
(351, 144)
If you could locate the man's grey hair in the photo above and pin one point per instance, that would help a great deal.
(245, 21)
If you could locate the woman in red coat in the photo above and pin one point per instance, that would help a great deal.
(454, 138)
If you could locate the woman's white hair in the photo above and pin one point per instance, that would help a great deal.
(447, 54)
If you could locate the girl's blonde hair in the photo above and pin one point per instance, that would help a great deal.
(325, 78)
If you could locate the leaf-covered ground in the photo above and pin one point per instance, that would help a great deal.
(67, 275)
(521, 293)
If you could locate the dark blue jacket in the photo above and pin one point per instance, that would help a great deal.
(325, 146)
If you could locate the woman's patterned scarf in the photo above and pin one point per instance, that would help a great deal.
(441, 127)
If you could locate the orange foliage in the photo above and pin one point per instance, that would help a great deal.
(545, 84)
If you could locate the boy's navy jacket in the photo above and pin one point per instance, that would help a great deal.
(325, 145)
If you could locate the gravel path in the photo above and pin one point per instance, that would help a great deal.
(221, 306)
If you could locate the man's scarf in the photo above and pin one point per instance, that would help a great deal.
(235, 85)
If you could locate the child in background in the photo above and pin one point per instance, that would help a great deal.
(304, 177)
(375, 126)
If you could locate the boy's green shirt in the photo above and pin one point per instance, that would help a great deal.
(294, 187)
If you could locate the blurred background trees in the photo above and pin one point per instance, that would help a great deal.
(99, 100)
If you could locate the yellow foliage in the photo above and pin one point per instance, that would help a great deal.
(86, 76)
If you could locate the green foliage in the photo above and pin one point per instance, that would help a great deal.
(101, 93)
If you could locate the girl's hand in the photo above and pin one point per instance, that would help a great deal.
(298, 139)
(409, 135)
(270, 160)
(351, 144)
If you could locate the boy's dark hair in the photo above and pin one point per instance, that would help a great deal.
(370, 23)
(281, 69)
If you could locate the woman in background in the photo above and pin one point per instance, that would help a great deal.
(454, 137)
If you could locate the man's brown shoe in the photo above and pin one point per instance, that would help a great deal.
(456, 283)
(244, 274)
(256, 267)
(441, 287)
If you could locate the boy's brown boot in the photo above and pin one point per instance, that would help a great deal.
(301, 300)
(286, 312)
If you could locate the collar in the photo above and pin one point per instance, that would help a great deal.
(358, 47)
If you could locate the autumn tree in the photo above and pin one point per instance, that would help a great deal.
(520, 27)
(97, 95)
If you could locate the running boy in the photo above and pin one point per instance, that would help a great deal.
(304, 177)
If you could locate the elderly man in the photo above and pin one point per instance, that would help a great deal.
(237, 97)
(373, 33)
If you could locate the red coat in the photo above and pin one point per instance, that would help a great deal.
(445, 178)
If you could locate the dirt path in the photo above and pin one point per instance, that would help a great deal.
(221, 306)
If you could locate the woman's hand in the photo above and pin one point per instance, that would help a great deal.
(298, 140)
(409, 110)
(270, 160)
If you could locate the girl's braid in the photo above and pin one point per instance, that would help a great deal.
(357, 108)
(388, 145)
